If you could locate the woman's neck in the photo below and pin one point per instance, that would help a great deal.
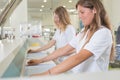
(61, 27)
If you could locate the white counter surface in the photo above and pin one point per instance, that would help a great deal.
(13, 55)
(40, 67)
(110, 75)
(8, 51)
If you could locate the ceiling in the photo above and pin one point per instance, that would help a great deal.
(50, 4)
(36, 8)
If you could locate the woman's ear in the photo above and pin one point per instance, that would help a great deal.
(94, 11)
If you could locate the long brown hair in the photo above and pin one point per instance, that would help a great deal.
(63, 16)
(100, 18)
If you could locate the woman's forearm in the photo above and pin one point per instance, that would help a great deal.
(47, 46)
(58, 53)
(71, 62)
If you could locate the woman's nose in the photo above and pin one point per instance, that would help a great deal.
(80, 16)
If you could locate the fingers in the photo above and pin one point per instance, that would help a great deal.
(29, 51)
(32, 63)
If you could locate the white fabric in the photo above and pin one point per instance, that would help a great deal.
(100, 45)
(63, 38)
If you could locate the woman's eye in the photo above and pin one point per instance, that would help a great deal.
(81, 12)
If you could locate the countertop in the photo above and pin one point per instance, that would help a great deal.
(8, 51)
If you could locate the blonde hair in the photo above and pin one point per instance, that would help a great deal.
(101, 18)
(63, 16)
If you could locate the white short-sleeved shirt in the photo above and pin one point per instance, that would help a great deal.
(100, 45)
(63, 38)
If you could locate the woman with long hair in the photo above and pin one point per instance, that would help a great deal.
(64, 33)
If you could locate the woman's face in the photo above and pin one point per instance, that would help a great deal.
(56, 19)
(86, 15)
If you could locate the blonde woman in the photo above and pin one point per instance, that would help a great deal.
(64, 33)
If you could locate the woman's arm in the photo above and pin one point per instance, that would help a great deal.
(70, 52)
(47, 46)
(69, 63)
(58, 53)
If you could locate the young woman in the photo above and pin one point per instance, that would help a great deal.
(93, 49)
(64, 33)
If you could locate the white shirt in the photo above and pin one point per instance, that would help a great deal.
(63, 38)
(100, 45)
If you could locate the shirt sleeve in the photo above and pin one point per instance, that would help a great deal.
(70, 32)
(74, 41)
(99, 42)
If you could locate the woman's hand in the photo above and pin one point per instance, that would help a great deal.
(34, 62)
(30, 51)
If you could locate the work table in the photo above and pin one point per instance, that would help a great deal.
(13, 57)
(8, 51)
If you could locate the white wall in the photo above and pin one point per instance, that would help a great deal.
(19, 16)
(116, 13)
(112, 7)
(47, 19)
(75, 20)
